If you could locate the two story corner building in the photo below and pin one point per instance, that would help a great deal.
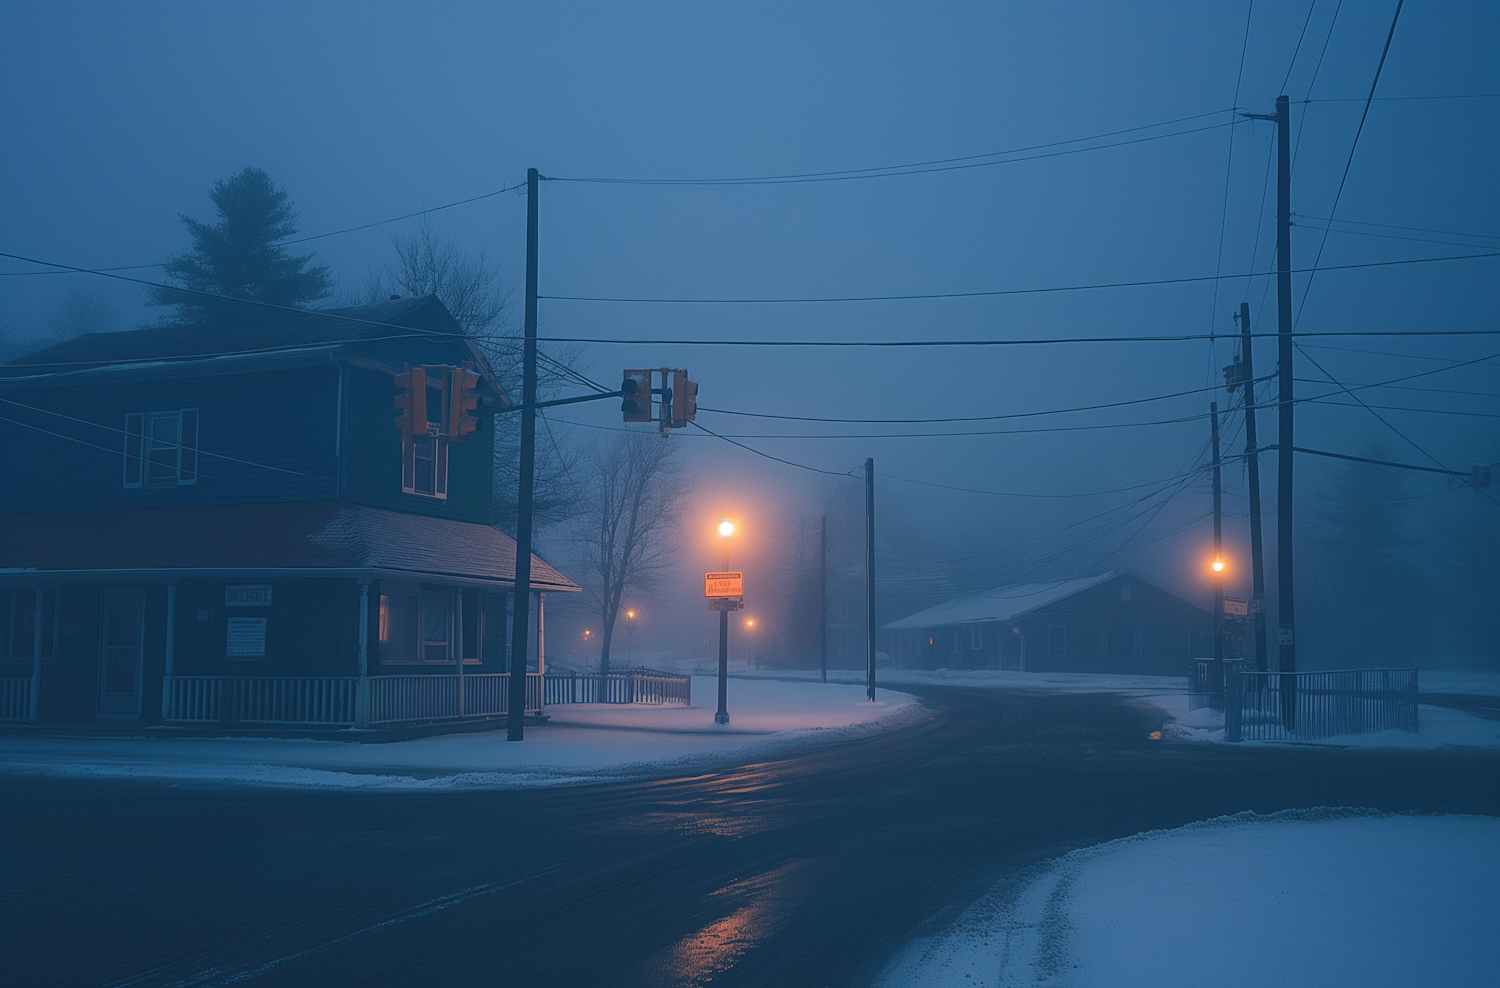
(225, 525)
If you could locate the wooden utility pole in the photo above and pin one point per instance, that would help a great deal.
(1252, 463)
(519, 628)
(1218, 542)
(870, 578)
(1285, 596)
(823, 597)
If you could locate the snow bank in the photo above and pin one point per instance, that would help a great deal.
(1441, 727)
(583, 743)
(1313, 897)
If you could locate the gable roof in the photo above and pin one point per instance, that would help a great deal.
(999, 604)
(268, 331)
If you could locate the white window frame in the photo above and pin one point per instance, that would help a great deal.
(439, 467)
(140, 446)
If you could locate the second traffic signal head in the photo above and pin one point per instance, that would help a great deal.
(635, 396)
(684, 399)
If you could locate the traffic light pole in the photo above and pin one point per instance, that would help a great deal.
(1285, 591)
(1252, 463)
(519, 629)
(870, 578)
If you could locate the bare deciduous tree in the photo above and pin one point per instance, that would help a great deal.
(83, 310)
(429, 262)
(627, 529)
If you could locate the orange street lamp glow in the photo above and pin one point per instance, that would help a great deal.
(749, 622)
(630, 614)
(1218, 565)
(726, 528)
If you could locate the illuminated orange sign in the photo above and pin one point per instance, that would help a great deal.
(723, 584)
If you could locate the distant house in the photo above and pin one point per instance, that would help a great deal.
(1115, 622)
(224, 525)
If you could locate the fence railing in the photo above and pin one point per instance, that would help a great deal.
(15, 698)
(1271, 706)
(261, 699)
(629, 686)
(416, 699)
(331, 700)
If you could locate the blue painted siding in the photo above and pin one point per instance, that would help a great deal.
(264, 436)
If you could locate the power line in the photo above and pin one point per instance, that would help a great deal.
(966, 418)
(1224, 205)
(992, 293)
(1380, 67)
(177, 446)
(1298, 50)
(297, 240)
(918, 167)
(1393, 226)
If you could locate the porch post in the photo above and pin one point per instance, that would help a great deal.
(36, 656)
(169, 671)
(541, 638)
(362, 687)
(458, 643)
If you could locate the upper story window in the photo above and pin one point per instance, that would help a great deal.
(424, 466)
(161, 448)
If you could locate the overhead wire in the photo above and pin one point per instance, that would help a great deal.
(1349, 162)
(919, 167)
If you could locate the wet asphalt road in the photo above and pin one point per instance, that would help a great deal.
(810, 870)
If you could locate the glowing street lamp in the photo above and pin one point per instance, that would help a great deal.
(1217, 565)
(726, 530)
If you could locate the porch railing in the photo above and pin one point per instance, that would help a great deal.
(1272, 706)
(261, 699)
(15, 698)
(416, 699)
(334, 700)
(629, 686)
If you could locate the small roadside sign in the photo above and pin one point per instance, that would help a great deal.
(723, 584)
(1236, 605)
(725, 603)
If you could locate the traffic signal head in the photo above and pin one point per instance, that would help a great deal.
(635, 396)
(463, 409)
(684, 399)
(411, 402)
(1232, 375)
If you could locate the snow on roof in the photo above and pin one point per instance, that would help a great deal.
(999, 604)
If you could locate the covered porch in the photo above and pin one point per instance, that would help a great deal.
(321, 616)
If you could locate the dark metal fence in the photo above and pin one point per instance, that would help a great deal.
(641, 685)
(1274, 706)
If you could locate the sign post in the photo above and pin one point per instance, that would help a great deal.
(725, 593)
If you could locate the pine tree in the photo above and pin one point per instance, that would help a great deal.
(238, 256)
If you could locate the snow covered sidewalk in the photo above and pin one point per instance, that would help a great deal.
(583, 743)
(1441, 727)
(1312, 897)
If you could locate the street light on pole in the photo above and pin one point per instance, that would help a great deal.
(630, 636)
(726, 531)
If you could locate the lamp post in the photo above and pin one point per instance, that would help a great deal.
(726, 530)
(630, 636)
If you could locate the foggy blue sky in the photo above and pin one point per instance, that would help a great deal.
(118, 118)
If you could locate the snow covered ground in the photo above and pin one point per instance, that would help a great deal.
(1440, 727)
(1313, 897)
(582, 743)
